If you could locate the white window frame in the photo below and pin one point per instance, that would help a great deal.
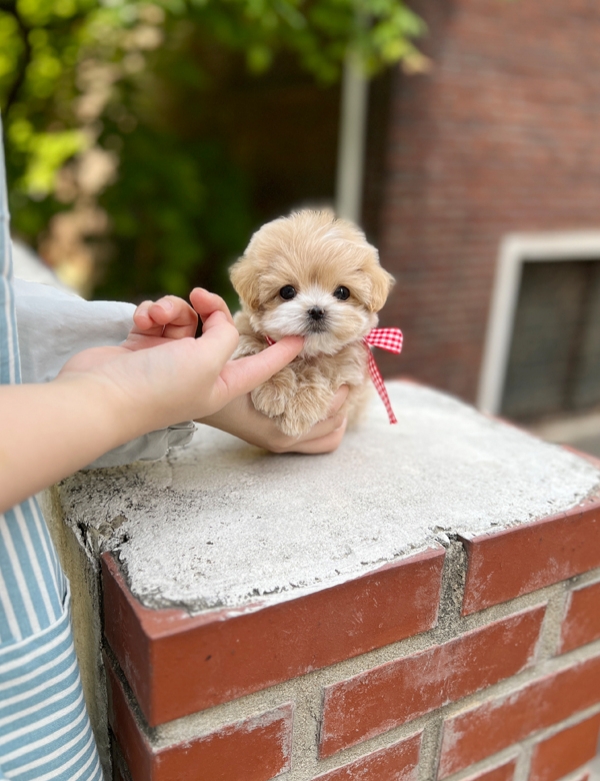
(515, 250)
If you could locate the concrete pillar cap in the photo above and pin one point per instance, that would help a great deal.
(224, 524)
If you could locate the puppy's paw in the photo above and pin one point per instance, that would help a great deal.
(272, 397)
(308, 406)
(293, 425)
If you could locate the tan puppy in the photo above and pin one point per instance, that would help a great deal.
(315, 276)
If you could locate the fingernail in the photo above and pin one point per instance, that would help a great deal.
(167, 304)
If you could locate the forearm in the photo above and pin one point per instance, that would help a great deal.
(50, 430)
(106, 396)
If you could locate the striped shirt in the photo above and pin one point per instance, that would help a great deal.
(44, 728)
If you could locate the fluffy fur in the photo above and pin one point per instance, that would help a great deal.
(315, 276)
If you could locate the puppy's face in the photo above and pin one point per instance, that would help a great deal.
(311, 275)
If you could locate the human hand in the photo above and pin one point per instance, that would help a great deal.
(154, 323)
(168, 318)
(106, 396)
(241, 419)
(162, 375)
(173, 318)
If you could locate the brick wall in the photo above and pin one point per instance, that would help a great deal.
(501, 136)
(479, 660)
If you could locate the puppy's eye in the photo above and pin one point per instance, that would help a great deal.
(287, 292)
(342, 293)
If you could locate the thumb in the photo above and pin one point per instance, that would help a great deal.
(247, 373)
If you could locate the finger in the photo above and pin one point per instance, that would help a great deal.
(176, 315)
(205, 303)
(216, 327)
(172, 309)
(245, 374)
(324, 444)
(323, 428)
(169, 317)
(215, 346)
(143, 323)
(339, 399)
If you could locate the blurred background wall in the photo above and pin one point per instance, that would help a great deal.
(501, 137)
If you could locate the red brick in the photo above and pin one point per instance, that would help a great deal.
(257, 749)
(398, 762)
(396, 692)
(177, 664)
(566, 751)
(521, 560)
(133, 745)
(582, 620)
(502, 773)
(488, 728)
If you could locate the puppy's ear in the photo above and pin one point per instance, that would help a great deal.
(382, 283)
(244, 279)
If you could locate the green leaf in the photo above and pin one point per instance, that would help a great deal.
(48, 152)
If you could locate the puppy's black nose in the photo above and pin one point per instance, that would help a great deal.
(317, 313)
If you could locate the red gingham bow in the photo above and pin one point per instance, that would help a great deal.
(389, 339)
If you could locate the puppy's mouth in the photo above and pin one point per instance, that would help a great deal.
(316, 328)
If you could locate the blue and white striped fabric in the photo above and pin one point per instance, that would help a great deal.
(44, 728)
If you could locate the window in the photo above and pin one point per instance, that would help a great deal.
(542, 352)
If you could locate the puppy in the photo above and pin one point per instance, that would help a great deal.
(311, 275)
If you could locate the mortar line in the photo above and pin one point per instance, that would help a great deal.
(429, 758)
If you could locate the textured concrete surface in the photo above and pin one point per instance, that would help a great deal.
(221, 523)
